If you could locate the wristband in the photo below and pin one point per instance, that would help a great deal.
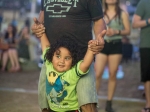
(147, 23)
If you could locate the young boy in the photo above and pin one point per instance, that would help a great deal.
(63, 70)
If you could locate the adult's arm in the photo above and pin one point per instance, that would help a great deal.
(38, 28)
(137, 22)
(99, 28)
(126, 23)
(41, 17)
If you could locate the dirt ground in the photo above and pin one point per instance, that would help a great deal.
(18, 91)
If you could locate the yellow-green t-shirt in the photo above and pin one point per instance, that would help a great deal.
(61, 87)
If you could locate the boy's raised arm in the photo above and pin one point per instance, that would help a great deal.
(88, 58)
(44, 42)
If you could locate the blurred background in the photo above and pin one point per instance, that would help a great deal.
(18, 91)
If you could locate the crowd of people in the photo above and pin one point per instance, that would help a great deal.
(16, 44)
(70, 80)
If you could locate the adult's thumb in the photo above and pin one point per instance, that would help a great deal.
(103, 33)
(35, 19)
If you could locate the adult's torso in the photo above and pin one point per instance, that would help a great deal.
(144, 13)
(116, 24)
(68, 17)
(9, 39)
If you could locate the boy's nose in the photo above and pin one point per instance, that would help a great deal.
(62, 60)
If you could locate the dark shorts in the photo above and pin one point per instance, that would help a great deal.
(112, 47)
(145, 64)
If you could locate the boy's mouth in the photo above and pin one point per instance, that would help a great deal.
(61, 66)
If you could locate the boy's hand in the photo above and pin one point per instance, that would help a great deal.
(96, 48)
(93, 43)
(37, 28)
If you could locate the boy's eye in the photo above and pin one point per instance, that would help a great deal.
(67, 58)
(58, 56)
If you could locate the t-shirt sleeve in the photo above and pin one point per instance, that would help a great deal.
(44, 52)
(78, 71)
(42, 6)
(140, 8)
(95, 9)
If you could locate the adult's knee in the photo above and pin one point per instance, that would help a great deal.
(90, 107)
(112, 76)
(98, 75)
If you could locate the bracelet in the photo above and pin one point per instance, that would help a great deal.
(147, 23)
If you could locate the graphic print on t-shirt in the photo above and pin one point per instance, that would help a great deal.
(57, 8)
(55, 88)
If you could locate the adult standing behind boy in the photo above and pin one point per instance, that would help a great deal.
(141, 19)
(72, 17)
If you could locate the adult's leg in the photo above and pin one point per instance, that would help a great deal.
(100, 63)
(147, 93)
(42, 99)
(4, 60)
(86, 91)
(113, 63)
(145, 75)
(147, 96)
(16, 59)
(11, 60)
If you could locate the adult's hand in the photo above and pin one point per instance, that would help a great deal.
(111, 32)
(97, 48)
(37, 28)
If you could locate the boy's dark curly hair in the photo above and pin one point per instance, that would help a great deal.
(65, 42)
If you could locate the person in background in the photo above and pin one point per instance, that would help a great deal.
(76, 21)
(127, 49)
(1, 48)
(27, 44)
(11, 53)
(118, 25)
(23, 43)
(3, 55)
(141, 19)
(27, 22)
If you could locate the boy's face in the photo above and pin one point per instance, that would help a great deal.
(62, 60)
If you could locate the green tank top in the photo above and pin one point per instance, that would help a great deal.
(115, 24)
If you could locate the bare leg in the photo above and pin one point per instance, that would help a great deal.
(10, 53)
(4, 60)
(113, 63)
(91, 107)
(147, 93)
(15, 58)
(100, 63)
